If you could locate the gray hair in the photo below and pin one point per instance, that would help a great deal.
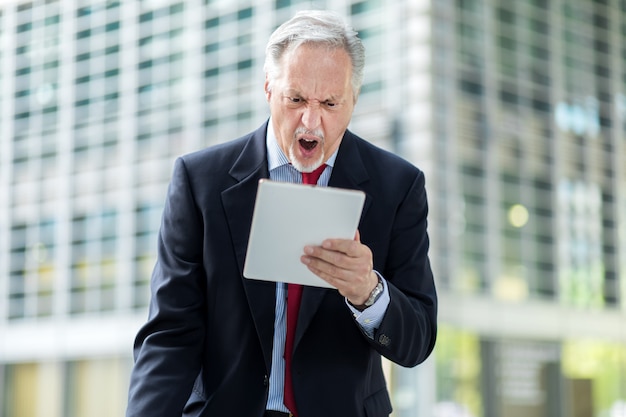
(317, 27)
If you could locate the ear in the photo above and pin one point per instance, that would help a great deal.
(266, 86)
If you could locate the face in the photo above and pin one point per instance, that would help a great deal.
(311, 102)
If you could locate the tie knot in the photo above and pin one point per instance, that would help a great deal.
(312, 177)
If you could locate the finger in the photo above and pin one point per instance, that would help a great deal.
(331, 261)
(338, 265)
(325, 270)
(352, 248)
(347, 285)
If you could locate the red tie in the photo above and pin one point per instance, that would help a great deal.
(294, 296)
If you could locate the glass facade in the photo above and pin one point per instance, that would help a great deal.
(531, 194)
(516, 111)
(536, 168)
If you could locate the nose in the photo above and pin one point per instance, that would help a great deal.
(312, 116)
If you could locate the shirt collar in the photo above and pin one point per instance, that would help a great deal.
(275, 155)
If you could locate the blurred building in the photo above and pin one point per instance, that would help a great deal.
(516, 111)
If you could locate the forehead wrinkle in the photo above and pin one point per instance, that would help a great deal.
(316, 78)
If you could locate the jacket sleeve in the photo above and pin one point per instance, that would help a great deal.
(168, 347)
(408, 331)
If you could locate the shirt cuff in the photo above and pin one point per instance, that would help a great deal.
(370, 318)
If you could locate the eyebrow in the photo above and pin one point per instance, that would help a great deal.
(293, 92)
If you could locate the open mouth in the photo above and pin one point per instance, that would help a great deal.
(308, 145)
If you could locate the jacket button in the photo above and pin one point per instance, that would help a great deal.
(384, 340)
(266, 380)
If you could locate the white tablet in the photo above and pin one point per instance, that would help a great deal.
(288, 217)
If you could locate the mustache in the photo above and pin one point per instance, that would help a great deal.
(303, 131)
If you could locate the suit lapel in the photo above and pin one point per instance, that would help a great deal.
(238, 200)
(349, 170)
(238, 203)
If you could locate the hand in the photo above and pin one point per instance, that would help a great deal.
(346, 265)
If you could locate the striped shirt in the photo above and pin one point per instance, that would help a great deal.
(281, 170)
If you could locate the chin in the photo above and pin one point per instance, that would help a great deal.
(305, 166)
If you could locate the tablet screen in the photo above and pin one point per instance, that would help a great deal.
(288, 217)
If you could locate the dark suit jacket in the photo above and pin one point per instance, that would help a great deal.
(206, 347)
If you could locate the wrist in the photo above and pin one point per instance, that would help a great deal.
(373, 296)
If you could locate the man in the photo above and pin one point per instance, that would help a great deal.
(214, 343)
